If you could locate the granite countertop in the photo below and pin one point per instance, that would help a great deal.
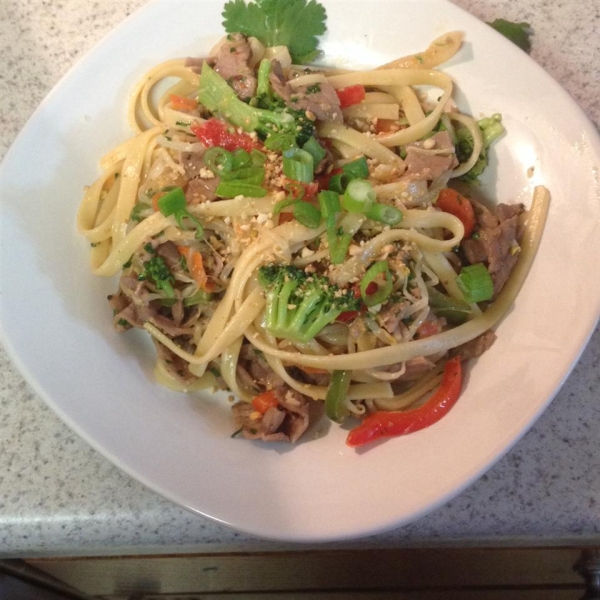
(58, 496)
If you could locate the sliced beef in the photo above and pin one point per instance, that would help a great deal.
(233, 64)
(201, 190)
(195, 64)
(497, 236)
(390, 317)
(475, 347)
(261, 373)
(134, 297)
(202, 183)
(319, 99)
(421, 164)
(283, 423)
(169, 253)
(193, 164)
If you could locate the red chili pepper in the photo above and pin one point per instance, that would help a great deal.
(452, 202)
(383, 424)
(349, 315)
(216, 133)
(302, 191)
(285, 217)
(353, 94)
(323, 180)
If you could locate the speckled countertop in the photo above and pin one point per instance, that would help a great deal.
(58, 496)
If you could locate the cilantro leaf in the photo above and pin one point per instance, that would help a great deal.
(292, 23)
(517, 33)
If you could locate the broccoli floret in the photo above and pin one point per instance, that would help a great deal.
(266, 114)
(491, 128)
(156, 270)
(216, 95)
(300, 305)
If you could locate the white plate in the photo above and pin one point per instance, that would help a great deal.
(57, 323)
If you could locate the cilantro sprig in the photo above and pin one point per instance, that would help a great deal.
(292, 23)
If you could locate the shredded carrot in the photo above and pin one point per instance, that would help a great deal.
(313, 370)
(155, 200)
(183, 103)
(195, 266)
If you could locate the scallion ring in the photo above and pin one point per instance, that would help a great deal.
(384, 288)
(359, 196)
(298, 165)
(384, 213)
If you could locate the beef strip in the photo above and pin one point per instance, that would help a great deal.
(140, 309)
(283, 423)
(233, 64)
(200, 187)
(201, 190)
(321, 99)
(497, 236)
(169, 253)
(421, 165)
(258, 368)
(195, 64)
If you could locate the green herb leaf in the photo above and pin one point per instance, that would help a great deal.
(292, 23)
(518, 33)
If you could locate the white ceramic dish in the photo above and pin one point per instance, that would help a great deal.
(56, 322)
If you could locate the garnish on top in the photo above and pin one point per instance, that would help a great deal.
(292, 23)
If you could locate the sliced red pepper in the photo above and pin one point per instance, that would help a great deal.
(353, 94)
(383, 424)
(216, 133)
(452, 202)
(263, 402)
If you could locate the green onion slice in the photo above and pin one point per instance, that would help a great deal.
(454, 311)
(307, 214)
(330, 203)
(476, 284)
(384, 288)
(338, 183)
(172, 202)
(335, 407)
(338, 247)
(298, 165)
(315, 150)
(218, 159)
(384, 213)
(357, 169)
(231, 189)
(359, 196)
